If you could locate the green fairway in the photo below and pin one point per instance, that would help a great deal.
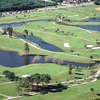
(8, 89)
(57, 34)
(81, 92)
(57, 72)
(3, 79)
(69, 13)
(2, 97)
(76, 37)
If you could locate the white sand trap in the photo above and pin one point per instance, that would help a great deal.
(96, 48)
(24, 76)
(89, 46)
(87, 17)
(66, 45)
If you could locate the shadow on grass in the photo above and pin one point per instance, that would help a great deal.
(77, 77)
(79, 74)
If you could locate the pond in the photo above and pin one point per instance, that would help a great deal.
(93, 20)
(42, 43)
(12, 59)
(90, 27)
(18, 24)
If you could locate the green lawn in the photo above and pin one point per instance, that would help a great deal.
(3, 79)
(2, 97)
(76, 37)
(9, 89)
(57, 72)
(67, 34)
(80, 11)
(81, 92)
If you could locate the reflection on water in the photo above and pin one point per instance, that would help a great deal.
(12, 59)
(27, 60)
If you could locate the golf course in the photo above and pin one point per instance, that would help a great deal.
(62, 43)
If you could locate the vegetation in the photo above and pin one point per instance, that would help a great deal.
(9, 5)
(40, 74)
(28, 84)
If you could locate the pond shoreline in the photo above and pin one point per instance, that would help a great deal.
(22, 60)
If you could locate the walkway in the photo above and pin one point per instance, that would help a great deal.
(34, 46)
(94, 80)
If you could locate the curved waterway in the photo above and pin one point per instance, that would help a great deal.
(93, 20)
(41, 43)
(91, 27)
(12, 59)
(18, 24)
(88, 27)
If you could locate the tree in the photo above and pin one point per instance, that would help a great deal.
(4, 32)
(37, 78)
(26, 32)
(10, 30)
(70, 69)
(92, 90)
(69, 72)
(5, 72)
(91, 57)
(10, 76)
(98, 43)
(26, 49)
(31, 34)
(45, 78)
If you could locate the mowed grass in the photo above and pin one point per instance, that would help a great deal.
(57, 72)
(9, 89)
(2, 97)
(76, 37)
(14, 44)
(3, 79)
(80, 11)
(81, 92)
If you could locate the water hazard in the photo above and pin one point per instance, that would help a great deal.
(12, 59)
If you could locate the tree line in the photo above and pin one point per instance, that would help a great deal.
(14, 5)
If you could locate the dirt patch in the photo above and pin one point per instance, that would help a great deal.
(97, 8)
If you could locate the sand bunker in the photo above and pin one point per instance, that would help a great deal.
(97, 8)
(96, 48)
(66, 45)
